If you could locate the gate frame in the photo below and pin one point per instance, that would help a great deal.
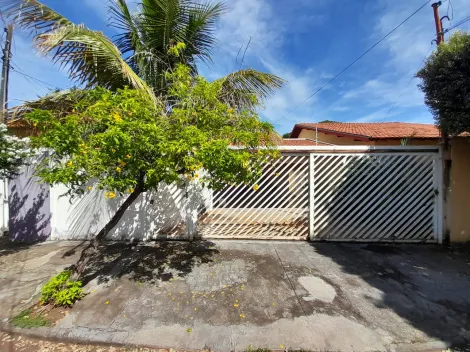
(436, 150)
(382, 150)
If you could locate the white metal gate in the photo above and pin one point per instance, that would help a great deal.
(375, 197)
(274, 207)
(384, 194)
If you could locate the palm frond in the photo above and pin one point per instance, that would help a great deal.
(122, 19)
(158, 20)
(61, 102)
(199, 34)
(151, 67)
(166, 22)
(90, 58)
(244, 89)
(32, 15)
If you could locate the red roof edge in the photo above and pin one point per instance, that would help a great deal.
(295, 131)
(299, 127)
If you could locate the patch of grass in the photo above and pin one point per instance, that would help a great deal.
(27, 319)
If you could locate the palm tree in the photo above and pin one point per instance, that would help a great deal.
(138, 56)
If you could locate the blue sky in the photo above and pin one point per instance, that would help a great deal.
(305, 42)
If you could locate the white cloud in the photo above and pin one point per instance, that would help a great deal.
(405, 51)
(101, 7)
(340, 108)
(382, 91)
(247, 18)
(379, 115)
(410, 43)
(298, 90)
(269, 31)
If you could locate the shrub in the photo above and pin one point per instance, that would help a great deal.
(67, 297)
(60, 291)
(13, 153)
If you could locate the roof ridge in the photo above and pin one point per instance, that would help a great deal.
(365, 123)
(372, 130)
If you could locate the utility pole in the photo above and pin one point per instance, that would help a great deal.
(437, 20)
(446, 158)
(5, 73)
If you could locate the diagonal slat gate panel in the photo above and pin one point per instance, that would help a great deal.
(374, 197)
(278, 209)
(334, 196)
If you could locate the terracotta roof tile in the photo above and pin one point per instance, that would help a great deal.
(382, 130)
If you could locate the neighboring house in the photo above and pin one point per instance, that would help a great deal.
(300, 142)
(384, 133)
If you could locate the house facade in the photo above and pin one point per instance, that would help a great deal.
(456, 160)
(300, 196)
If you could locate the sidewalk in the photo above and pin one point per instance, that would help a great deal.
(229, 295)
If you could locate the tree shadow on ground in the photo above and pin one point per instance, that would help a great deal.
(426, 285)
(148, 262)
(8, 246)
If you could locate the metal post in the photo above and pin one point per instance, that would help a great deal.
(437, 20)
(5, 73)
(311, 202)
(439, 200)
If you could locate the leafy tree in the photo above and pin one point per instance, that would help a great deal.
(150, 42)
(286, 135)
(13, 152)
(125, 145)
(446, 84)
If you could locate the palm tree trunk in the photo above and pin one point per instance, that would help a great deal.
(92, 248)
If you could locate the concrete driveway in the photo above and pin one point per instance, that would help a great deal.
(228, 295)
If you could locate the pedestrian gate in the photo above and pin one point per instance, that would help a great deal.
(390, 194)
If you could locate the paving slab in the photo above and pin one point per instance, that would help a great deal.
(229, 295)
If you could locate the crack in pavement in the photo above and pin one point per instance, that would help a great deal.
(290, 281)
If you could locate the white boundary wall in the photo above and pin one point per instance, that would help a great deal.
(169, 212)
(42, 212)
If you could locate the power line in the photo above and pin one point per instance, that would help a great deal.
(352, 63)
(243, 57)
(458, 24)
(450, 6)
(21, 72)
(33, 83)
(17, 70)
(409, 82)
